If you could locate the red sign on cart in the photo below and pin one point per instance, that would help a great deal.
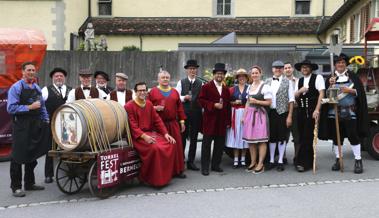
(116, 166)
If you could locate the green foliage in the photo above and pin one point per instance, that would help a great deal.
(131, 48)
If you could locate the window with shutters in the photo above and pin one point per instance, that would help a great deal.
(223, 7)
(105, 7)
(2, 63)
(302, 7)
(365, 18)
(355, 28)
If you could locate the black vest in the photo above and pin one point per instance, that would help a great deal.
(55, 99)
(195, 90)
(308, 102)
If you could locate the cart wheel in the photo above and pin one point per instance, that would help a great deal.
(92, 183)
(70, 179)
(373, 142)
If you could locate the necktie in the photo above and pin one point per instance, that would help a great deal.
(86, 88)
(60, 91)
(190, 87)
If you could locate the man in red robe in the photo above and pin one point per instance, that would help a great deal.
(214, 98)
(151, 140)
(166, 101)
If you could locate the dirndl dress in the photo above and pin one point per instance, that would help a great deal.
(234, 133)
(256, 123)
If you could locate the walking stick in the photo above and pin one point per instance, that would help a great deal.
(338, 138)
(315, 136)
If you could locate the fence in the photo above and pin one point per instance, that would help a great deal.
(144, 66)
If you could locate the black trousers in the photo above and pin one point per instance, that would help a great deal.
(306, 128)
(218, 149)
(348, 129)
(193, 125)
(16, 174)
(49, 166)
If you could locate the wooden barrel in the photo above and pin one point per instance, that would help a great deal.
(72, 124)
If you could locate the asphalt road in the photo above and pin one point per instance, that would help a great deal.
(234, 193)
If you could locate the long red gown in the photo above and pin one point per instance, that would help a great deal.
(173, 111)
(158, 158)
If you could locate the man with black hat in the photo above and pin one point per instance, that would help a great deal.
(309, 92)
(214, 98)
(121, 94)
(189, 89)
(30, 129)
(280, 113)
(101, 80)
(54, 96)
(85, 90)
(352, 112)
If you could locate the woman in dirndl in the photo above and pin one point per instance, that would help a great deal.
(234, 133)
(255, 120)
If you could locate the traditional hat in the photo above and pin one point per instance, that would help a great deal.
(340, 57)
(58, 69)
(277, 64)
(85, 72)
(102, 73)
(241, 72)
(219, 67)
(191, 63)
(306, 62)
(122, 76)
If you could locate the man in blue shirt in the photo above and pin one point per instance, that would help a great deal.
(30, 128)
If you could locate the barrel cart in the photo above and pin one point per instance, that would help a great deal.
(89, 145)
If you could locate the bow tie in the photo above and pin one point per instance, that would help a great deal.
(86, 88)
(274, 78)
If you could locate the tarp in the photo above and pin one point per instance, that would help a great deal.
(16, 47)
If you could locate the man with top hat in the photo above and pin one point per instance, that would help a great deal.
(189, 89)
(85, 91)
(121, 94)
(30, 129)
(214, 98)
(352, 112)
(101, 81)
(308, 92)
(54, 96)
(167, 103)
(280, 113)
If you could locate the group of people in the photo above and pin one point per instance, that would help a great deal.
(254, 115)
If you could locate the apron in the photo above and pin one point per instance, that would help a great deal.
(30, 133)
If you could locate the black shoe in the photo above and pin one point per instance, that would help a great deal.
(34, 188)
(217, 169)
(18, 193)
(270, 166)
(192, 166)
(181, 176)
(205, 172)
(48, 179)
(285, 161)
(336, 165)
(280, 167)
(235, 165)
(300, 168)
(358, 167)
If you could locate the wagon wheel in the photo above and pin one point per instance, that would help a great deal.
(373, 142)
(70, 179)
(92, 183)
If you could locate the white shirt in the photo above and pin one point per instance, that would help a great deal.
(120, 97)
(320, 83)
(266, 91)
(45, 92)
(71, 94)
(275, 84)
(179, 88)
(219, 87)
(342, 77)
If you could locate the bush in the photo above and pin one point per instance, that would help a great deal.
(131, 48)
